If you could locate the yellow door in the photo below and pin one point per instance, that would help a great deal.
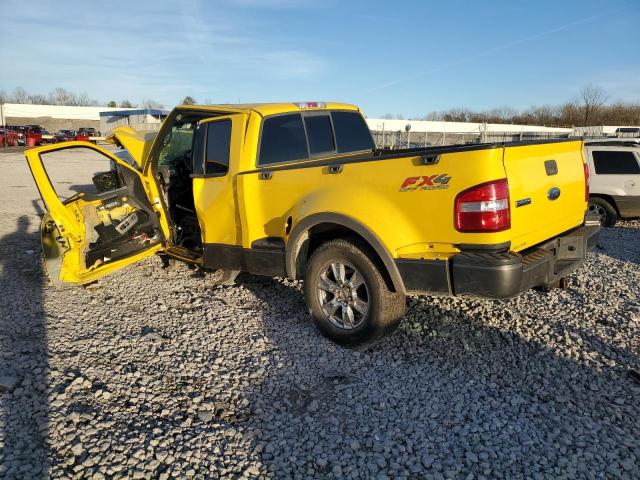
(92, 234)
(215, 166)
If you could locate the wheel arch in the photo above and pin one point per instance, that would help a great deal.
(608, 198)
(313, 230)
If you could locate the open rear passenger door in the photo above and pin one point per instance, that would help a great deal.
(92, 234)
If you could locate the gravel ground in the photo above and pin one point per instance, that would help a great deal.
(158, 373)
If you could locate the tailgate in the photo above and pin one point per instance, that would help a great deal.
(547, 189)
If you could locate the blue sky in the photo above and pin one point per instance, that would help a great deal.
(388, 57)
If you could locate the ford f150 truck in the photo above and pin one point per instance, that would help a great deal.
(300, 191)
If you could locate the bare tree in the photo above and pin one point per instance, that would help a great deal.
(570, 113)
(452, 115)
(60, 96)
(501, 115)
(20, 95)
(593, 99)
(37, 99)
(83, 100)
(149, 103)
(620, 113)
(544, 115)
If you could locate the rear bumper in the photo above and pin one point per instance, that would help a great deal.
(501, 275)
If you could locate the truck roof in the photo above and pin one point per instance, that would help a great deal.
(274, 108)
(614, 142)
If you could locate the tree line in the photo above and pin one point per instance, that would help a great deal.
(62, 96)
(590, 107)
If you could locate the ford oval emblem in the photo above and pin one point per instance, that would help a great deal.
(553, 193)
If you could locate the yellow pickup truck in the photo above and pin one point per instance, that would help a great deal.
(299, 190)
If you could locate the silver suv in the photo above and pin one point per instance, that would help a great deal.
(614, 191)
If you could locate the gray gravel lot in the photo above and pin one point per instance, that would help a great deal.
(158, 373)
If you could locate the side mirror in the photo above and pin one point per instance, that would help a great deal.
(106, 181)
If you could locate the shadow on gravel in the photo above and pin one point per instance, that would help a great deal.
(621, 242)
(23, 357)
(446, 395)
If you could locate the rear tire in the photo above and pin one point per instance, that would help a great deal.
(604, 210)
(347, 295)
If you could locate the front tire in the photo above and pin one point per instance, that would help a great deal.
(347, 295)
(604, 210)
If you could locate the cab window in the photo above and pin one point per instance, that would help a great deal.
(283, 139)
(320, 134)
(352, 132)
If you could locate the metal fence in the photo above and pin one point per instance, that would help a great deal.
(400, 139)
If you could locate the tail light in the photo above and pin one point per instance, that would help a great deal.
(484, 208)
(587, 180)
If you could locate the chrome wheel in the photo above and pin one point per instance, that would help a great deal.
(343, 295)
(600, 211)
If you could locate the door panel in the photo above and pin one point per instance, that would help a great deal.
(91, 234)
(217, 161)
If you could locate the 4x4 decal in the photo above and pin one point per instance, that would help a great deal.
(425, 182)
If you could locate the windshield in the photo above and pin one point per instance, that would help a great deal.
(176, 144)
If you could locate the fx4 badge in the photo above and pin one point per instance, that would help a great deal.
(426, 182)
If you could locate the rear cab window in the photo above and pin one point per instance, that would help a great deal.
(612, 162)
(352, 132)
(300, 136)
(319, 134)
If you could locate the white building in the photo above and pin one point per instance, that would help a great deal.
(24, 110)
(104, 119)
(147, 119)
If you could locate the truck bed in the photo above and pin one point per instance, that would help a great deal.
(419, 222)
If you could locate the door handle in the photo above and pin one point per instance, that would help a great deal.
(265, 175)
(335, 169)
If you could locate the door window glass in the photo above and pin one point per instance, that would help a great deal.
(218, 145)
